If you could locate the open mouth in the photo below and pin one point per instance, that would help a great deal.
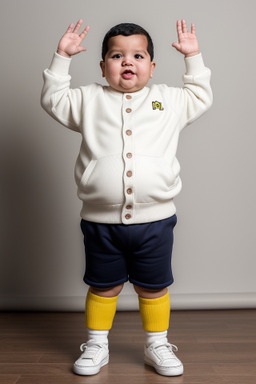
(128, 74)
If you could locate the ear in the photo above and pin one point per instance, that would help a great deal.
(102, 65)
(153, 65)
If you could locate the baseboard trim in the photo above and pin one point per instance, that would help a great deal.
(129, 302)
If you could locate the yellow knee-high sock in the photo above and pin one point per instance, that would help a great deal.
(100, 311)
(155, 313)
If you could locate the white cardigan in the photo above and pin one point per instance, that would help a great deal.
(126, 170)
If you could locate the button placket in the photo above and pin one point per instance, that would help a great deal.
(127, 212)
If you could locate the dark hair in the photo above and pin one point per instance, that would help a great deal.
(127, 29)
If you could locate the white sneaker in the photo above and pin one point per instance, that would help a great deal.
(95, 355)
(160, 356)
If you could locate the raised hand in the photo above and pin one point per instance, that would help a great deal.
(70, 43)
(188, 44)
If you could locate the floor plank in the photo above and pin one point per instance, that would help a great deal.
(9, 379)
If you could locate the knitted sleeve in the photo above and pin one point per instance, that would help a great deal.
(195, 97)
(57, 98)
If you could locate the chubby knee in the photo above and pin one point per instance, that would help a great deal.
(107, 292)
(149, 293)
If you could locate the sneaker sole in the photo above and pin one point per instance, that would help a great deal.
(177, 371)
(88, 371)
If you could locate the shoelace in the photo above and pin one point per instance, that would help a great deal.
(165, 350)
(89, 349)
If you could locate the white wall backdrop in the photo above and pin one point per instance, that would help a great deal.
(42, 257)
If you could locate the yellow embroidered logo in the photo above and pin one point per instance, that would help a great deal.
(157, 105)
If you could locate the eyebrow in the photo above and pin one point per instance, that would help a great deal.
(120, 50)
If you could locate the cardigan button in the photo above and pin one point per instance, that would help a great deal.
(128, 132)
(129, 173)
(129, 191)
(128, 110)
(128, 207)
(129, 155)
(128, 216)
(129, 97)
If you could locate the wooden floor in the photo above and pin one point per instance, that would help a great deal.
(216, 347)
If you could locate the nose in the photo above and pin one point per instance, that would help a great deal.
(127, 61)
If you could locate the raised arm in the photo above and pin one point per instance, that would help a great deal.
(58, 99)
(196, 95)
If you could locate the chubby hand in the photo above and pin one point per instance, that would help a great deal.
(70, 43)
(188, 44)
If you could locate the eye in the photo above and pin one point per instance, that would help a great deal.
(117, 56)
(138, 56)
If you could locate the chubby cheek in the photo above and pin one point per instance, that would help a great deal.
(144, 76)
(111, 71)
(111, 74)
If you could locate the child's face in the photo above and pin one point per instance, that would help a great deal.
(127, 66)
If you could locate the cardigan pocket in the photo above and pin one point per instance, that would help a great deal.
(101, 182)
(154, 179)
(87, 173)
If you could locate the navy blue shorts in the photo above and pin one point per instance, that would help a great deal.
(140, 253)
